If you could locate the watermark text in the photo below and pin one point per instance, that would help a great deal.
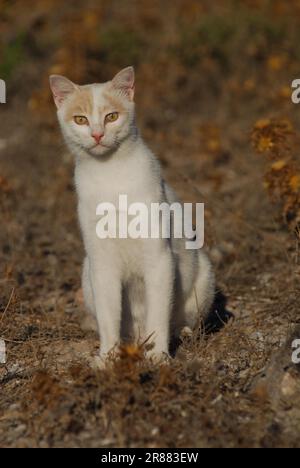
(152, 221)
(2, 92)
(2, 352)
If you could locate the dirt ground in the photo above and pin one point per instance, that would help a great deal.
(205, 75)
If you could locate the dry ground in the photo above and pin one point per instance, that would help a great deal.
(205, 75)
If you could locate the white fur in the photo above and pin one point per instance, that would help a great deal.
(135, 288)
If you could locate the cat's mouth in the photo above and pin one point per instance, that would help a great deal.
(98, 149)
(98, 145)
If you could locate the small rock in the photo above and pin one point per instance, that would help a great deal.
(155, 431)
(19, 430)
(288, 385)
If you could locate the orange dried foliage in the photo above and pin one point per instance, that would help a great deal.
(46, 389)
(277, 140)
(211, 138)
(4, 185)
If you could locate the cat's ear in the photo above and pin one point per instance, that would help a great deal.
(61, 88)
(124, 82)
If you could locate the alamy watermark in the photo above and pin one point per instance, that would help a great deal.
(2, 352)
(296, 92)
(2, 92)
(296, 353)
(154, 221)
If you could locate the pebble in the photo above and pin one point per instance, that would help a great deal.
(20, 429)
(288, 385)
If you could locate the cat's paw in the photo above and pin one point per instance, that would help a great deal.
(89, 323)
(98, 363)
(186, 332)
(103, 360)
(159, 357)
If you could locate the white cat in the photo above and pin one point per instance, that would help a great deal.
(135, 288)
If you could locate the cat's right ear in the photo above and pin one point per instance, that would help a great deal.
(61, 88)
(124, 82)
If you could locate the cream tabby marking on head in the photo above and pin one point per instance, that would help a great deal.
(135, 288)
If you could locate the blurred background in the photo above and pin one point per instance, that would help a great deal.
(187, 53)
(213, 93)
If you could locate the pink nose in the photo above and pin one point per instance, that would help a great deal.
(97, 136)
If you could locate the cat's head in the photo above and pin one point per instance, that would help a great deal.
(95, 118)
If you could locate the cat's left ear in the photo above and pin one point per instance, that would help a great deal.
(61, 88)
(124, 82)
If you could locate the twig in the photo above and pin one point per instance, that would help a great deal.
(8, 305)
(18, 375)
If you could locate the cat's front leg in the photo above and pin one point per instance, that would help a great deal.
(159, 284)
(106, 286)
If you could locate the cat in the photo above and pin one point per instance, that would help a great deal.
(135, 288)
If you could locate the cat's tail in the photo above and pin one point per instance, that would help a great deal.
(199, 303)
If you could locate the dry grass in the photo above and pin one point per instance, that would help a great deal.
(279, 141)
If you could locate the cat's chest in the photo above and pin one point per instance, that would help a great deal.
(106, 184)
(96, 188)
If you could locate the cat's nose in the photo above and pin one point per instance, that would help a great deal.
(97, 136)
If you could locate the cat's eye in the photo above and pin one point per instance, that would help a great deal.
(81, 120)
(112, 117)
